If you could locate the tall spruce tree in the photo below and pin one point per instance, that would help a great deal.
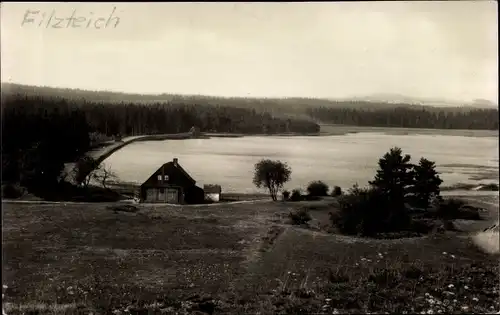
(426, 183)
(394, 176)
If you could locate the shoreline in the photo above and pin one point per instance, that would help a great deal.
(101, 153)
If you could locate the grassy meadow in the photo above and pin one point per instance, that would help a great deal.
(230, 259)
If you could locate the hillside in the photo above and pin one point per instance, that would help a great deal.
(275, 106)
(229, 259)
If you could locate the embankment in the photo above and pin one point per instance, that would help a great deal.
(103, 153)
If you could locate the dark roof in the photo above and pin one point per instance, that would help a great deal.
(182, 170)
(212, 189)
(176, 165)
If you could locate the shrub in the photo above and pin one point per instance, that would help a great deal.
(367, 212)
(317, 188)
(11, 191)
(296, 195)
(453, 208)
(337, 191)
(286, 195)
(448, 208)
(300, 216)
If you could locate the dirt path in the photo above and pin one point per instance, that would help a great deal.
(139, 204)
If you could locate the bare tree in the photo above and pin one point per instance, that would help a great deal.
(104, 174)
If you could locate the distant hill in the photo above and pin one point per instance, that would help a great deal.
(295, 106)
(434, 102)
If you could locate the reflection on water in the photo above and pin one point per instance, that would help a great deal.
(338, 160)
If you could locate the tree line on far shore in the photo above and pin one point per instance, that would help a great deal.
(408, 117)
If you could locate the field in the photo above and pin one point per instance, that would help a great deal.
(229, 259)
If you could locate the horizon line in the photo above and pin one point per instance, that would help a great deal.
(347, 98)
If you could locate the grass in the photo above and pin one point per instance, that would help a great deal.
(229, 259)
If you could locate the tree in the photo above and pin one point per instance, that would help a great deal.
(104, 174)
(271, 175)
(337, 191)
(317, 188)
(393, 180)
(426, 183)
(296, 195)
(394, 176)
(85, 170)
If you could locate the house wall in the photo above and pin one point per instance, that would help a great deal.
(168, 176)
(194, 195)
(212, 197)
(171, 195)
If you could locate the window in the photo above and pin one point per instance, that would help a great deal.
(162, 190)
(165, 178)
(159, 177)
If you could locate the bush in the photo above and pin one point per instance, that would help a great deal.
(337, 191)
(300, 216)
(11, 191)
(367, 212)
(453, 208)
(296, 195)
(317, 188)
(286, 195)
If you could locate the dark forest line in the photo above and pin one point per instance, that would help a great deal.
(40, 133)
(405, 117)
(296, 106)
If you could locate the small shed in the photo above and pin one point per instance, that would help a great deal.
(212, 192)
(171, 184)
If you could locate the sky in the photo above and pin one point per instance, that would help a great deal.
(435, 49)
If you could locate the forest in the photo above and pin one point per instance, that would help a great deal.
(40, 134)
(406, 117)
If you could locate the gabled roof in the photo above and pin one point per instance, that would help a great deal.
(182, 170)
(176, 165)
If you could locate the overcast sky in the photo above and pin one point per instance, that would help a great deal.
(422, 49)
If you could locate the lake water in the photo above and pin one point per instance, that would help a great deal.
(337, 160)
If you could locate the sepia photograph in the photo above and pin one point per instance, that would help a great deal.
(250, 158)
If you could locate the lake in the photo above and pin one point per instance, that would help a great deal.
(341, 160)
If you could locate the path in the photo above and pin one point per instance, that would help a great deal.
(130, 201)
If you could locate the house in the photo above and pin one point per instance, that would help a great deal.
(212, 192)
(171, 184)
